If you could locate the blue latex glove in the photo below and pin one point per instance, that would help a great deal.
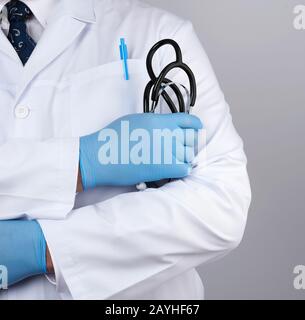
(22, 249)
(95, 173)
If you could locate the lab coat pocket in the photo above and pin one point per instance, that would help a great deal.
(100, 95)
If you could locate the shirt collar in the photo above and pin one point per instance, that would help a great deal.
(40, 8)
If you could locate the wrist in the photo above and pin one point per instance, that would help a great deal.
(41, 249)
(50, 267)
(79, 187)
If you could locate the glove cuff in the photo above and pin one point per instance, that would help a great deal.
(87, 175)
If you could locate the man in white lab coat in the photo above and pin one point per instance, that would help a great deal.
(111, 242)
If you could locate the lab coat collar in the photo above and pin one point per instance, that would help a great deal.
(68, 20)
(81, 9)
(44, 10)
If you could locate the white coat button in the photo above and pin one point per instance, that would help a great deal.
(22, 112)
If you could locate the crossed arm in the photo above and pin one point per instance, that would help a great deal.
(184, 224)
(27, 236)
(50, 267)
(23, 249)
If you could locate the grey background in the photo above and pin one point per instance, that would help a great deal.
(259, 59)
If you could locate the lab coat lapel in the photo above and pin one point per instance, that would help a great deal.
(64, 28)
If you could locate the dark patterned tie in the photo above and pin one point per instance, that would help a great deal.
(17, 14)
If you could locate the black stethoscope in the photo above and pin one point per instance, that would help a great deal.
(157, 85)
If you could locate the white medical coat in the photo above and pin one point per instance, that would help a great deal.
(113, 243)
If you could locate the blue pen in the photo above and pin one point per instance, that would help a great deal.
(124, 58)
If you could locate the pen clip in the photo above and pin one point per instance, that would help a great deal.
(122, 49)
(124, 57)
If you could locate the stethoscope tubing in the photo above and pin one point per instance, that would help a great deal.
(154, 88)
(166, 97)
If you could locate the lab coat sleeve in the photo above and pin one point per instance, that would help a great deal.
(38, 178)
(135, 242)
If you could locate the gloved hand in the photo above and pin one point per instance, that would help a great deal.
(114, 139)
(22, 249)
